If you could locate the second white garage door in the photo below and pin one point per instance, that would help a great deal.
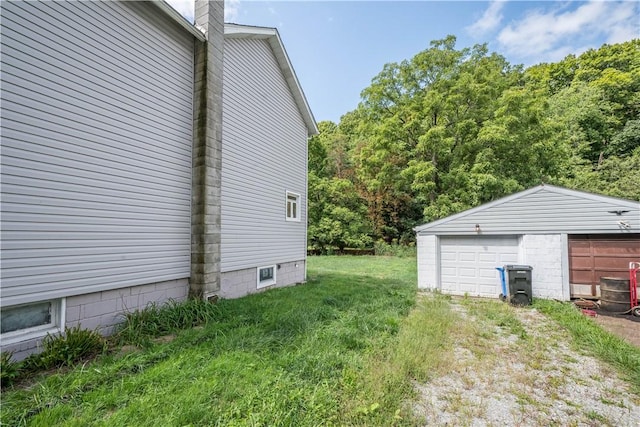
(468, 264)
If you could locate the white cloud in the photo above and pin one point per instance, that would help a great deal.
(543, 35)
(185, 8)
(623, 33)
(489, 20)
(231, 10)
(625, 23)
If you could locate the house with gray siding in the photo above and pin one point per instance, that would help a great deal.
(264, 174)
(143, 158)
(570, 238)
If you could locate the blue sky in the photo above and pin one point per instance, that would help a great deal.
(337, 47)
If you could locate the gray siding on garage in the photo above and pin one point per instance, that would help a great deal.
(542, 210)
(96, 148)
(263, 155)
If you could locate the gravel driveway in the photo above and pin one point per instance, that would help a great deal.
(534, 378)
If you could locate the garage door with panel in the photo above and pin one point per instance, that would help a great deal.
(594, 256)
(468, 264)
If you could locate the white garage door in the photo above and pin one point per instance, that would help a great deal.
(468, 264)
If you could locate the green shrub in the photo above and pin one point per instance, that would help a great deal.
(66, 349)
(9, 369)
(394, 249)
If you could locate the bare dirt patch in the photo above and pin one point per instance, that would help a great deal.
(521, 370)
(127, 349)
(164, 339)
(626, 327)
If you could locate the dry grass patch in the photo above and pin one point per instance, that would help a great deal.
(421, 351)
(522, 370)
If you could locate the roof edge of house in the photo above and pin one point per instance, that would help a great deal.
(272, 35)
(179, 19)
(255, 32)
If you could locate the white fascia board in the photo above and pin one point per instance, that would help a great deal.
(179, 19)
(273, 37)
(249, 31)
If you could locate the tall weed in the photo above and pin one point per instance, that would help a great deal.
(155, 320)
(73, 345)
(382, 248)
(9, 369)
(419, 352)
(281, 357)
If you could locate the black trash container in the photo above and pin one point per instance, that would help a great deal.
(519, 283)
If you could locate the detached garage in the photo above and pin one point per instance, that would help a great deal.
(570, 238)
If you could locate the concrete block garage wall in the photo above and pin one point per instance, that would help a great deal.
(427, 262)
(544, 252)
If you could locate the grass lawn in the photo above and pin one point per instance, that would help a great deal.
(296, 356)
(346, 348)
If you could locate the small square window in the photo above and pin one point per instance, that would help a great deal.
(293, 206)
(266, 276)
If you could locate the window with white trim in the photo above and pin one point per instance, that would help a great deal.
(266, 276)
(293, 206)
(33, 320)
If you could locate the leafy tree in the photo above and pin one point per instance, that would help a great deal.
(451, 128)
(615, 176)
(423, 118)
(594, 96)
(626, 141)
(587, 122)
(337, 214)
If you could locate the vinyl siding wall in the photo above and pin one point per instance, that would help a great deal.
(264, 154)
(96, 148)
(543, 212)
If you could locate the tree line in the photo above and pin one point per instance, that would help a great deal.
(450, 129)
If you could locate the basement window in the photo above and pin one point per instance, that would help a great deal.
(266, 276)
(293, 206)
(26, 321)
